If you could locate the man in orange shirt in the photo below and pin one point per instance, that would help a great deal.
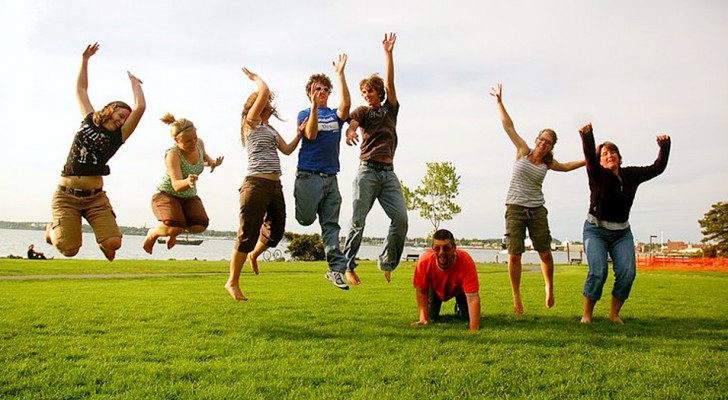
(444, 272)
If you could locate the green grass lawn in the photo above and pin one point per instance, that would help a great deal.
(299, 337)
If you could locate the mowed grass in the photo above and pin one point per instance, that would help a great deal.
(299, 337)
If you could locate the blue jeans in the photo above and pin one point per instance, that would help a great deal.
(318, 194)
(383, 185)
(598, 242)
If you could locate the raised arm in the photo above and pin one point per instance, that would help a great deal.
(140, 105)
(82, 82)
(521, 146)
(345, 105)
(263, 94)
(388, 45)
(590, 150)
(209, 162)
(311, 125)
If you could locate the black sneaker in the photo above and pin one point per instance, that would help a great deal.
(337, 278)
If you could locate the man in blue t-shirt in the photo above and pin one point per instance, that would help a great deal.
(316, 188)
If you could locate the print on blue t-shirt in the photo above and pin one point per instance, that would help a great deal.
(322, 154)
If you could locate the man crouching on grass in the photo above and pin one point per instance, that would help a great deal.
(444, 272)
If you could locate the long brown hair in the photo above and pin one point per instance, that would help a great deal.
(103, 115)
(246, 109)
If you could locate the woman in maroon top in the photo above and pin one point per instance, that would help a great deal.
(80, 190)
(606, 229)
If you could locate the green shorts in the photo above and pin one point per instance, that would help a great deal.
(518, 219)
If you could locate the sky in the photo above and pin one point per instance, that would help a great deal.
(635, 70)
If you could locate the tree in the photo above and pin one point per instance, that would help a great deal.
(715, 228)
(434, 198)
(305, 247)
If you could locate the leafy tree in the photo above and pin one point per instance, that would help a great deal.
(715, 228)
(434, 198)
(305, 247)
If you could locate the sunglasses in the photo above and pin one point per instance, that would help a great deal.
(446, 248)
(325, 89)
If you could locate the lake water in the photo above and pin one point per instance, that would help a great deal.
(15, 242)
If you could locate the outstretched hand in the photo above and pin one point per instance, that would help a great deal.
(497, 92)
(301, 130)
(388, 42)
(340, 64)
(216, 163)
(133, 78)
(352, 138)
(90, 50)
(250, 74)
(586, 129)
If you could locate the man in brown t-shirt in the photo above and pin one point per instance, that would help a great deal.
(376, 179)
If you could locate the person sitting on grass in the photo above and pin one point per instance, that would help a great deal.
(35, 255)
(444, 272)
(176, 204)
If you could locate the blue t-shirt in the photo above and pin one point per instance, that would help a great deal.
(322, 154)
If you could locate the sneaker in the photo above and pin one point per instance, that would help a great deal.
(337, 278)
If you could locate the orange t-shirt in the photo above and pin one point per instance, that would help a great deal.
(461, 278)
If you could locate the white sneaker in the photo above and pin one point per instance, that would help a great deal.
(337, 278)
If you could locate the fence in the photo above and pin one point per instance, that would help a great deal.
(682, 263)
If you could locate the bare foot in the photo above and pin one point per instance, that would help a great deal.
(110, 254)
(549, 297)
(171, 241)
(388, 276)
(517, 306)
(149, 241)
(352, 277)
(616, 319)
(253, 263)
(235, 292)
(585, 320)
(48, 234)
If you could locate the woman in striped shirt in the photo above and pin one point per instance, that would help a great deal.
(525, 202)
(262, 207)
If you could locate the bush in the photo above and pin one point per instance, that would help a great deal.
(305, 247)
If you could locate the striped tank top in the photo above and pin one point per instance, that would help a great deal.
(526, 181)
(262, 145)
(187, 169)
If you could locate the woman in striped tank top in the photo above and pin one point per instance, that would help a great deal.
(262, 207)
(525, 202)
(176, 204)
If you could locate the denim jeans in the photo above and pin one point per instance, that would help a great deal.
(435, 304)
(600, 242)
(383, 185)
(318, 194)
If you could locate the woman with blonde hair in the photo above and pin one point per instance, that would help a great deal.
(176, 204)
(525, 202)
(262, 206)
(80, 190)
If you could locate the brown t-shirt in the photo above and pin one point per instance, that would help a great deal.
(379, 138)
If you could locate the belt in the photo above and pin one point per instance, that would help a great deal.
(321, 174)
(79, 192)
(378, 165)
